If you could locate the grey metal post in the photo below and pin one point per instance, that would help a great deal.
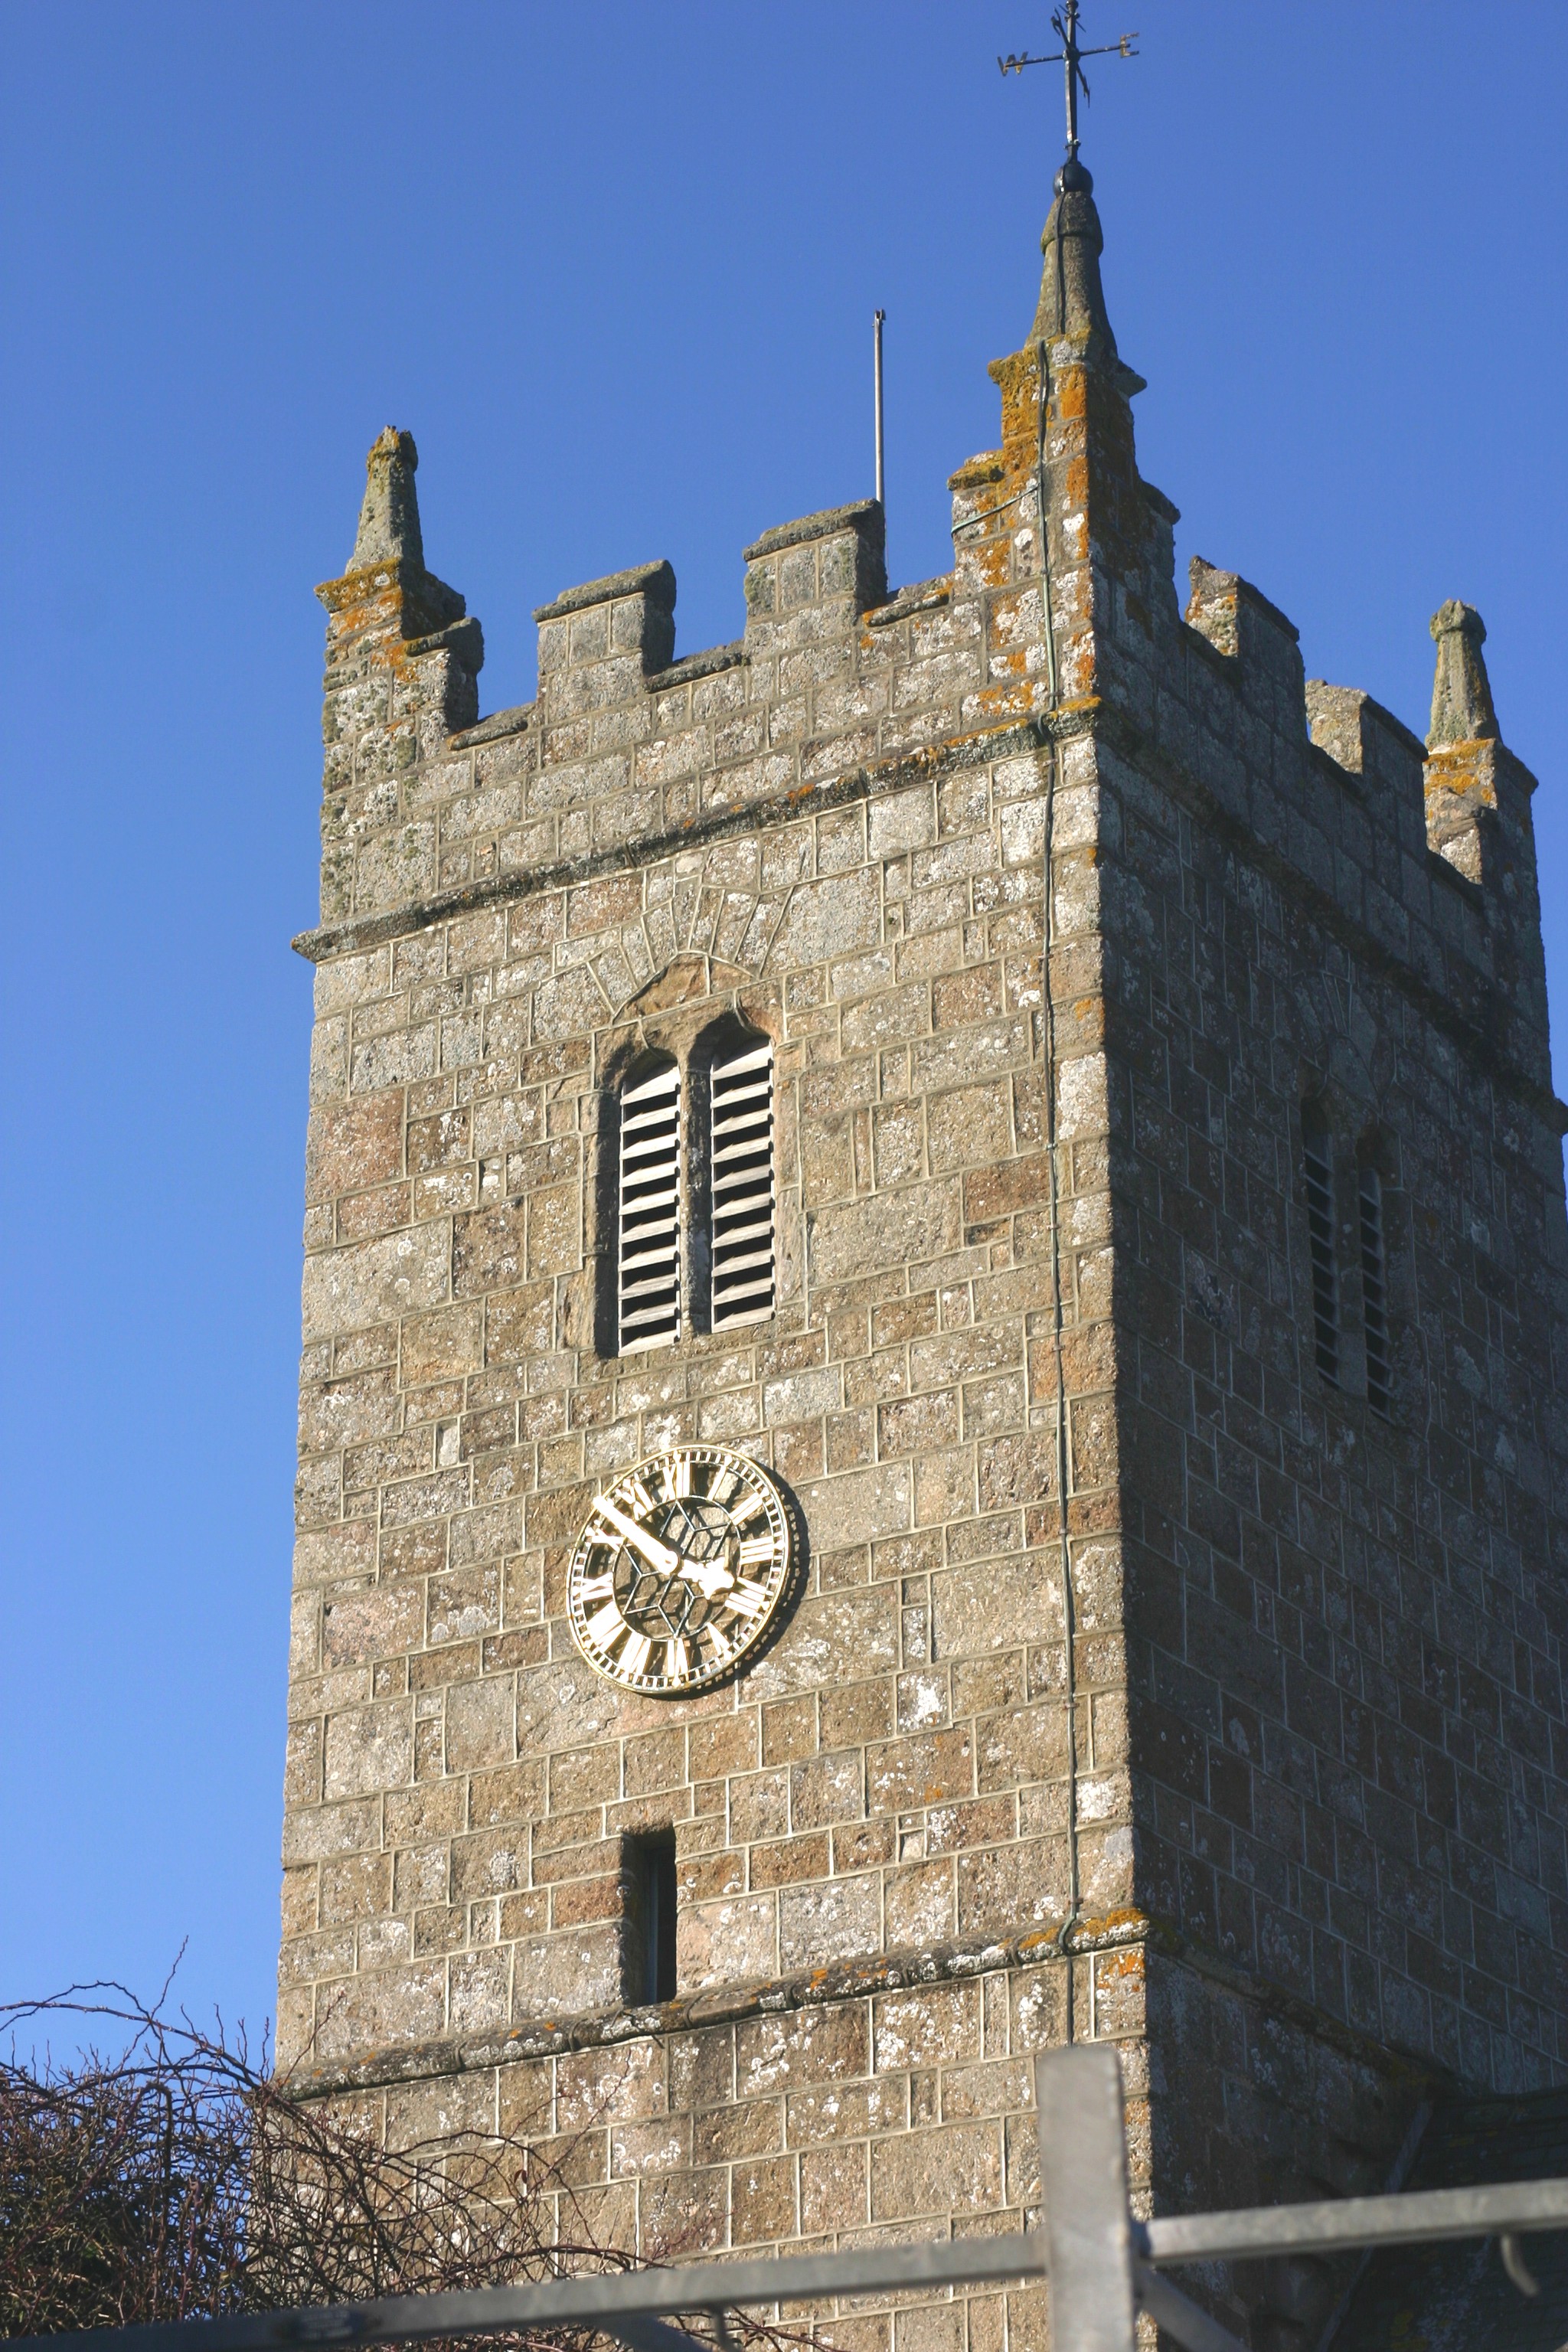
(876, 375)
(1083, 2187)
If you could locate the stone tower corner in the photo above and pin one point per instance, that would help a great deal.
(403, 658)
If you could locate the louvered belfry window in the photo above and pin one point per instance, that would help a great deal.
(1374, 1292)
(741, 1092)
(1318, 1174)
(649, 1264)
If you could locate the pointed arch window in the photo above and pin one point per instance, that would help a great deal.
(649, 1265)
(1318, 1180)
(740, 1095)
(1374, 1290)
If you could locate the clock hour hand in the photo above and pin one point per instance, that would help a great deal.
(707, 1574)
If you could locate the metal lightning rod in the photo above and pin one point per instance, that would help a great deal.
(877, 382)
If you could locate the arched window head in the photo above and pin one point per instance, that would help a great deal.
(1374, 1290)
(1317, 1179)
(649, 1265)
(740, 1098)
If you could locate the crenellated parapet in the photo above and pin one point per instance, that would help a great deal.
(836, 681)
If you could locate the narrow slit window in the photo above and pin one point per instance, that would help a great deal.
(1317, 1168)
(651, 1943)
(1375, 1293)
(741, 1092)
(649, 1264)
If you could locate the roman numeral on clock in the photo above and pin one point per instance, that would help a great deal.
(635, 1651)
(605, 1626)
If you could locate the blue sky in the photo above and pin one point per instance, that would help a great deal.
(615, 269)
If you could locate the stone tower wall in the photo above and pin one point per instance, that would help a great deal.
(890, 1774)
(1251, 1758)
(1347, 1678)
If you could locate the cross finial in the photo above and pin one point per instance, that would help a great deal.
(1064, 24)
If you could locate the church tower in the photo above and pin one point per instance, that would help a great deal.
(932, 1411)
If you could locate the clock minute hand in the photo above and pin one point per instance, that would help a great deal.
(657, 1555)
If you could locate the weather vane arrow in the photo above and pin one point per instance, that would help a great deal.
(1064, 24)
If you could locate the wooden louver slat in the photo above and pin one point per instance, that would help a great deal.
(1375, 1294)
(650, 1263)
(743, 1183)
(1317, 1168)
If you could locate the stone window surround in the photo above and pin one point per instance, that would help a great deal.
(692, 1034)
(1354, 1145)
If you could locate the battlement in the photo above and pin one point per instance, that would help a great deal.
(830, 566)
(599, 642)
(1233, 616)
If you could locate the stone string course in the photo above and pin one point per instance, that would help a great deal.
(871, 2115)
(1314, 1688)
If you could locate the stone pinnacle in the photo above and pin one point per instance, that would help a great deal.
(389, 519)
(1461, 692)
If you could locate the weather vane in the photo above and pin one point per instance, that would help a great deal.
(1064, 24)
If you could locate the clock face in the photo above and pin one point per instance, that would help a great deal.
(679, 1569)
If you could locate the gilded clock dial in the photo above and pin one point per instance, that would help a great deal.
(679, 1569)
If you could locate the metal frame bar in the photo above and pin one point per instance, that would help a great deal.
(1417, 2218)
(1083, 2180)
(604, 2300)
(1101, 2263)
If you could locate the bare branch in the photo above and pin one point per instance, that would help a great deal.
(174, 2179)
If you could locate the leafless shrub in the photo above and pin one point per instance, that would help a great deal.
(177, 2179)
